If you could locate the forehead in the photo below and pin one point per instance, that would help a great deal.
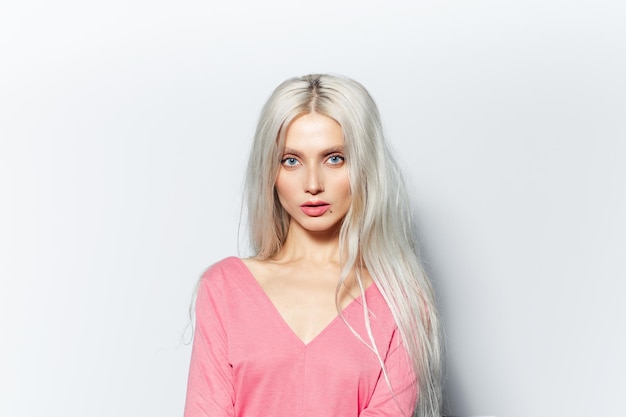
(313, 131)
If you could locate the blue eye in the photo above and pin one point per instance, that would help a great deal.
(336, 159)
(290, 162)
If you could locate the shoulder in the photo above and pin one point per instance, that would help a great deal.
(262, 269)
(224, 281)
(224, 273)
(377, 304)
(226, 265)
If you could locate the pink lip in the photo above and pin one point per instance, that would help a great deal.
(314, 208)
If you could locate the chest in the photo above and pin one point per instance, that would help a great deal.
(307, 305)
(266, 354)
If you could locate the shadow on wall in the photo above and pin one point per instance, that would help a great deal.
(453, 395)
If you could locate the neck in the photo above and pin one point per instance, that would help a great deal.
(313, 247)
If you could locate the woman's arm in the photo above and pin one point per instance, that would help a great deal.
(402, 400)
(209, 388)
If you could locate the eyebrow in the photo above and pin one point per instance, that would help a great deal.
(327, 151)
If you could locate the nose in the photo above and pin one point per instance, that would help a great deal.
(313, 181)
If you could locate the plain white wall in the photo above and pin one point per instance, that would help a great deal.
(124, 130)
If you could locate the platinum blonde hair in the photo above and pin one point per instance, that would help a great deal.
(376, 233)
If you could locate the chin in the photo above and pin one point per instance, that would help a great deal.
(321, 228)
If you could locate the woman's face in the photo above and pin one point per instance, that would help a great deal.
(313, 185)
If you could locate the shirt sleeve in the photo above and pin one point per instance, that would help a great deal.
(209, 388)
(402, 400)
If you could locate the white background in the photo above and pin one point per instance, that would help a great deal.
(125, 127)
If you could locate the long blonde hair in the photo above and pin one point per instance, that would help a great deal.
(376, 233)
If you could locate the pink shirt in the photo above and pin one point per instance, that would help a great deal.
(247, 362)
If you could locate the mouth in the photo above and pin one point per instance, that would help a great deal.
(317, 203)
(314, 208)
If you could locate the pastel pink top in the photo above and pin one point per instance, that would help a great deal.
(247, 362)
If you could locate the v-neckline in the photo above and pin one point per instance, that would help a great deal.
(257, 286)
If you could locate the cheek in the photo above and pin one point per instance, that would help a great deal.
(343, 191)
(345, 186)
(284, 188)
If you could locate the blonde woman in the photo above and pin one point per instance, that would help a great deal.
(333, 316)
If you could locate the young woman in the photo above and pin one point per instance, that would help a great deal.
(333, 316)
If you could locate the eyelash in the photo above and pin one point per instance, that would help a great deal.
(337, 155)
(284, 161)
